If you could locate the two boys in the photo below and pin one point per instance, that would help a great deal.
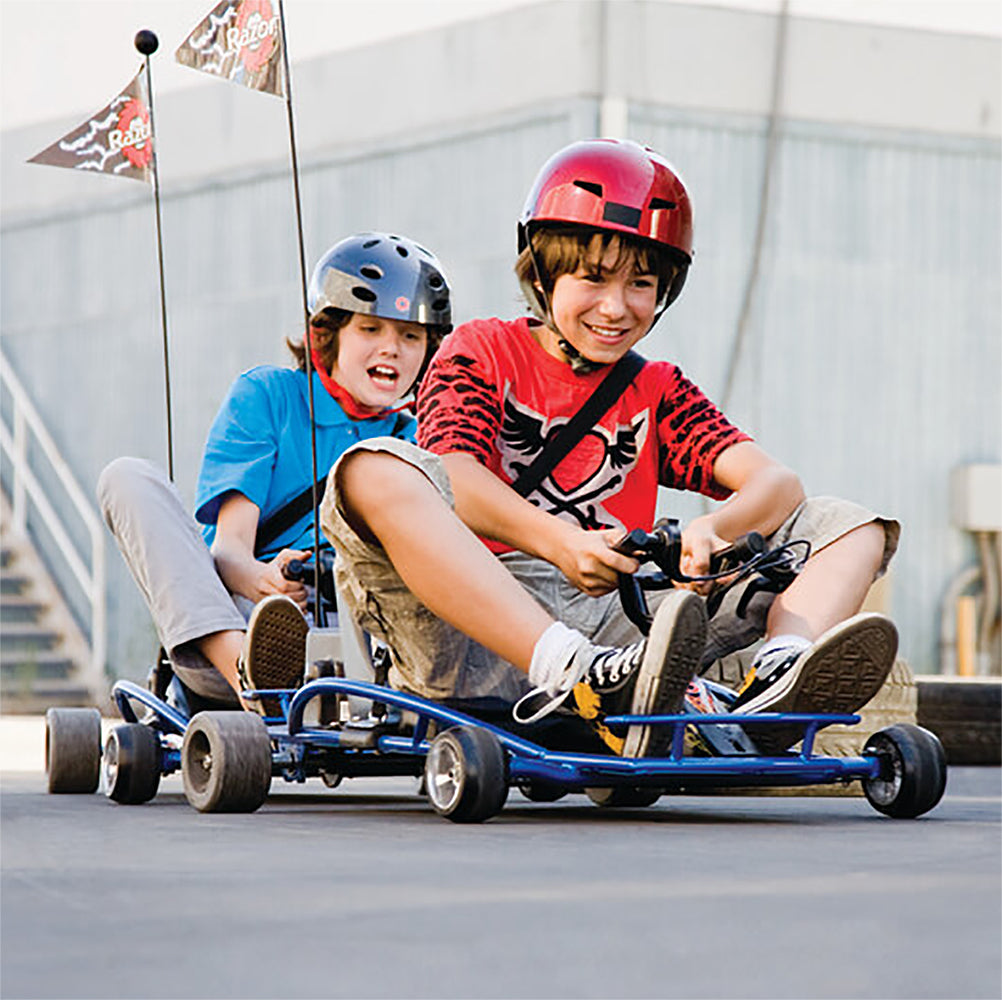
(483, 594)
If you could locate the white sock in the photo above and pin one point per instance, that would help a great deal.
(553, 651)
(786, 642)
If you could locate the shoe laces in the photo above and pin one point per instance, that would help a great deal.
(610, 667)
(613, 665)
(774, 664)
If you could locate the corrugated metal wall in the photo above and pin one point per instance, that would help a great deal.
(873, 353)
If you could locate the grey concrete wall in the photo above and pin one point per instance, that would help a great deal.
(873, 348)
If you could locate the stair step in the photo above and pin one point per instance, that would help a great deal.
(26, 668)
(16, 608)
(34, 699)
(14, 583)
(27, 637)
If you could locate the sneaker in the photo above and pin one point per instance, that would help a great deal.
(646, 678)
(274, 651)
(838, 674)
(722, 739)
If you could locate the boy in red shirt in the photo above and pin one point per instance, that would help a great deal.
(605, 244)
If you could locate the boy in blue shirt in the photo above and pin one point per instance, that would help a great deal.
(379, 307)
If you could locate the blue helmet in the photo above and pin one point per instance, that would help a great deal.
(378, 274)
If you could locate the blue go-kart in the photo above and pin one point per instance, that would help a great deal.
(342, 724)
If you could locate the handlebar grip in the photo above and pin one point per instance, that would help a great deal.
(740, 551)
(633, 542)
(296, 569)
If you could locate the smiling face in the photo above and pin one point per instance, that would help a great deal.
(378, 359)
(602, 308)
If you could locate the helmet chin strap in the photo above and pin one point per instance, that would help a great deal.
(580, 365)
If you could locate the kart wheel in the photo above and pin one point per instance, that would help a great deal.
(623, 797)
(542, 791)
(912, 775)
(466, 774)
(132, 764)
(226, 762)
(73, 749)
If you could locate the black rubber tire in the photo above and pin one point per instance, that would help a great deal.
(132, 764)
(913, 771)
(466, 774)
(543, 791)
(966, 715)
(73, 750)
(623, 797)
(226, 762)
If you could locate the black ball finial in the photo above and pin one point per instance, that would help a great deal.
(147, 42)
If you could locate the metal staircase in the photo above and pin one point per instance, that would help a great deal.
(43, 654)
(46, 657)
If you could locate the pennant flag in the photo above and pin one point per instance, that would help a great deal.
(240, 40)
(117, 140)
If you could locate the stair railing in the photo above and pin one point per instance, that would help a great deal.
(25, 488)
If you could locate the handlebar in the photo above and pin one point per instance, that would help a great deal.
(303, 570)
(663, 547)
(771, 570)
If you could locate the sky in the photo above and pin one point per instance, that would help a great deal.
(63, 58)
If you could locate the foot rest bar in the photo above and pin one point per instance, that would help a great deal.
(755, 719)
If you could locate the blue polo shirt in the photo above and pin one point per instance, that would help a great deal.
(259, 445)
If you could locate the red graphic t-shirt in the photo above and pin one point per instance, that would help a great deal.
(492, 391)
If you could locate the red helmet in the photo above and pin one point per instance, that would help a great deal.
(618, 186)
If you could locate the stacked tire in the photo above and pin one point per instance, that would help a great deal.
(966, 714)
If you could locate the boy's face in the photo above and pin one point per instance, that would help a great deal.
(378, 359)
(602, 312)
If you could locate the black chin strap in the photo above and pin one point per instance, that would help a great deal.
(580, 365)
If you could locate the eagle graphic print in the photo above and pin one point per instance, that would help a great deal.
(596, 468)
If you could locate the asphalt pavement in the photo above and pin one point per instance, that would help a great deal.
(363, 891)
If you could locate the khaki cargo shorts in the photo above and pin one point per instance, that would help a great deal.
(432, 659)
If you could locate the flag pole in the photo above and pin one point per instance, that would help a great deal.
(318, 612)
(147, 43)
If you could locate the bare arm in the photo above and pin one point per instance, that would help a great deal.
(233, 551)
(494, 510)
(765, 494)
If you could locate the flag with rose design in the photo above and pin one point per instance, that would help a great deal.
(116, 140)
(240, 40)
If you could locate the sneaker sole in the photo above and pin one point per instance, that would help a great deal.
(845, 669)
(674, 649)
(275, 651)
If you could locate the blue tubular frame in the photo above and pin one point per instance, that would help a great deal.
(126, 692)
(530, 762)
(302, 751)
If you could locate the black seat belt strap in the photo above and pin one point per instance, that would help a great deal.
(595, 407)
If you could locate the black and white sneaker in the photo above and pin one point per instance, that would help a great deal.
(274, 651)
(646, 678)
(838, 674)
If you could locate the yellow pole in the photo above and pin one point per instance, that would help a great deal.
(966, 635)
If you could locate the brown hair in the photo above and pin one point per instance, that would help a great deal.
(328, 323)
(558, 250)
(324, 328)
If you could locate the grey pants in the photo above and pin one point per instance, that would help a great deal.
(173, 568)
